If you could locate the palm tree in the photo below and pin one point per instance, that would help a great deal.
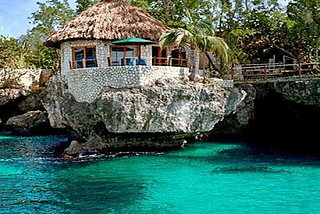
(198, 36)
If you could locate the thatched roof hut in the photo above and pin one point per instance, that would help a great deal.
(109, 20)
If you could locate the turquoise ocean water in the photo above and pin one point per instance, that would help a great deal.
(206, 177)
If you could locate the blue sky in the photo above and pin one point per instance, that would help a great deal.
(14, 16)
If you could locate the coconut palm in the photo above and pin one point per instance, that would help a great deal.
(198, 36)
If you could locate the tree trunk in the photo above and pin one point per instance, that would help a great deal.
(247, 5)
(213, 61)
(193, 62)
(166, 9)
(283, 50)
(196, 62)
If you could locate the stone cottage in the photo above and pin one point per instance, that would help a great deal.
(114, 44)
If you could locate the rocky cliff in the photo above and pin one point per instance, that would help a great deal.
(160, 116)
(21, 96)
(304, 92)
(282, 114)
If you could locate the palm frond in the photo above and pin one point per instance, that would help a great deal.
(199, 35)
(175, 38)
(217, 45)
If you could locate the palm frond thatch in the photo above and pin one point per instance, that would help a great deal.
(109, 20)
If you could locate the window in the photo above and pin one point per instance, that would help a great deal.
(84, 57)
(124, 55)
(178, 58)
(159, 57)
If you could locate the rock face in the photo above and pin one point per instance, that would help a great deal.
(31, 121)
(239, 120)
(17, 102)
(274, 103)
(153, 117)
(281, 114)
(9, 95)
(301, 92)
(21, 91)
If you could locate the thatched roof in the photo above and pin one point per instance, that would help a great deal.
(109, 20)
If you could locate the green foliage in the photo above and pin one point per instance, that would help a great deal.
(253, 29)
(51, 16)
(199, 35)
(14, 53)
(82, 5)
(172, 12)
(167, 11)
(41, 56)
(29, 51)
(305, 33)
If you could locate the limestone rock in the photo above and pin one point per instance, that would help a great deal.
(29, 121)
(305, 92)
(32, 102)
(10, 95)
(19, 78)
(239, 120)
(45, 77)
(73, 148)
(119, 119)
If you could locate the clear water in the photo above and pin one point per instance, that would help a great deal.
(201, 178)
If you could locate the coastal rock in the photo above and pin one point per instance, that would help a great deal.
(32, 102)
(29, 122)
(73, 148)
(305, 92)
(20, 91)
(240, 119)
(19, 78)
(271, 101)
(157, 116)
(10, 95)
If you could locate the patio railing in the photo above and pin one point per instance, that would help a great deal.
(129, 61)
(89, 63)
(169, 61)
(272, 71)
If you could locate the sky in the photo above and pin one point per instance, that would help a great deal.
(14, 16)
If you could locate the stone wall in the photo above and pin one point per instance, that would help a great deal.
(86, 84)
(66, 53)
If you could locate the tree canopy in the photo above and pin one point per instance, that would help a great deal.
(255, 30)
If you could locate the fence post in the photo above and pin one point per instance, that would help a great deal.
(299, 69)
(265, 72)
(232, 71)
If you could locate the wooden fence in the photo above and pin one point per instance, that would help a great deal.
(273, 71)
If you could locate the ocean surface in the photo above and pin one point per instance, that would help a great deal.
(204, 177)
